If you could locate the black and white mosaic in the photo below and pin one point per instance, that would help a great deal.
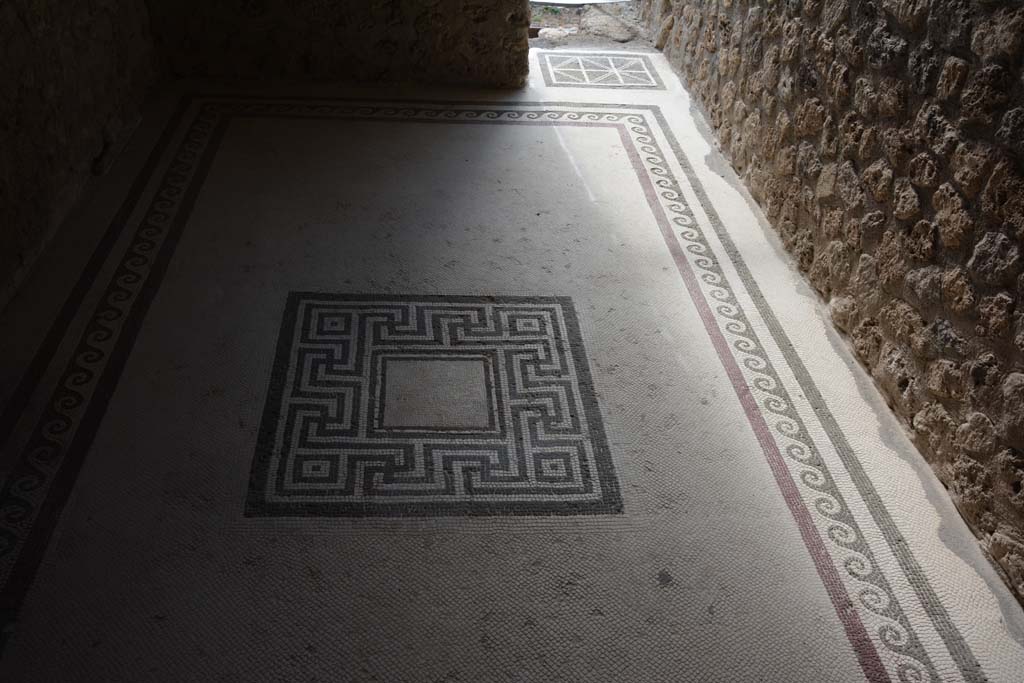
(420, 405)
(595, 70)
(61, 432)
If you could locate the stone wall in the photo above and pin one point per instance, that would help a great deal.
(479, 42)
(76, 71)
(884, 140)
(74, 74)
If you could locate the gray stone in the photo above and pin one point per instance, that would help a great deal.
(935, 427)
(950, 24)
(933, 129)
(924, 67)
(986, 91)
(898, 145)
(843, 310)
(878, 180)
(556, 33)
(922, 240)
(884, 50)
(977, 435)
(945, 340)
(943, 379)
(665, 31)
(954, 73)
(1000, 35)
(924, 286)
(834, 15)
(1012, 424)
(900, 321)
(957, 291)
(826, 186)
(905, 204)
(923, 171)
(867, 341)
(982, 379)
(955, 224)
(994, 315)
(995, 261)
(892, 261)
(810, 117)
(849, 186)
(1011, 130)
(910, 13)
(894, 373)
(865, 99)
(892, 98)
(597, 22)
(971, 163)
(1002, 200)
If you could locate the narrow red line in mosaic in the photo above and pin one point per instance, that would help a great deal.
(858, 636)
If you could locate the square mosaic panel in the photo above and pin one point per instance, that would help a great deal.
(430, 405)
(592, 70)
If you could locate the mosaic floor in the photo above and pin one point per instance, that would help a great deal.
(363, 385)
(431, 405)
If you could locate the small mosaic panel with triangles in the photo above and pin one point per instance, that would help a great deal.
(595, 70)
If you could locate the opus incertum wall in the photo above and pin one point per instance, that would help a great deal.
(422, 405)
(68, 98)
(885, 142)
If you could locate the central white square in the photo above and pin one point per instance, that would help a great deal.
(443, 394)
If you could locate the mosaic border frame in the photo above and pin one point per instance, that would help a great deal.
(50, 462)
(549, 79)
(257, 505)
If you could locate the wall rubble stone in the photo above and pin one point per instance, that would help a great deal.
(76, 72)
(885, 141)
(74, 75)
(475, 42)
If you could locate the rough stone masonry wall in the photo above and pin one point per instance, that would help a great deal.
(478, 42)
(76, 71)
(73, 75)
(885, 141)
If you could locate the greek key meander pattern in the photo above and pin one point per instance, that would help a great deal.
(25, 489)
(326, 447)
(863, 575)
